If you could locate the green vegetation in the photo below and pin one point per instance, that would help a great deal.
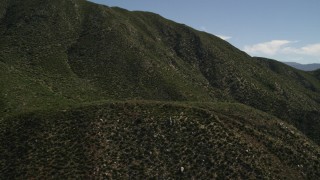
(92, 91)
(139, 139)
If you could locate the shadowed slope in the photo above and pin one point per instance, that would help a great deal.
(147, 139)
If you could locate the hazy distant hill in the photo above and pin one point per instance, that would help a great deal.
(89, 91)
(304, 67)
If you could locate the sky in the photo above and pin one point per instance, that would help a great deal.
(285, 30)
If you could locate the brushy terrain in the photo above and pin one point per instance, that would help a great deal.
(135, 140)
(92, 91)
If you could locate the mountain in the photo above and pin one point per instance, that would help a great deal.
(304, 67)
(89, 91)
(136, 139)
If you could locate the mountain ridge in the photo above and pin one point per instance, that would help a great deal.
(148, 139)
(175, 62)
(304, 67)
(59, 56)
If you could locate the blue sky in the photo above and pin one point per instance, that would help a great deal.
(286, 30)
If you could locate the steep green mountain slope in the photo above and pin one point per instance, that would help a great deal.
(317, 74)
(155, 140)
(59, 59)
(63, 52)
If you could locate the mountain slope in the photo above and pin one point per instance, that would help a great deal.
(78, 52)
(155, 140)
(64, 62)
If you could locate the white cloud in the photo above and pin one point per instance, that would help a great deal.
(268, 48)
(310, 50)
(203, 28)
(286, 50)
(224, 37)
(276, 47)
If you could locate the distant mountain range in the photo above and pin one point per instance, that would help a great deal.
(304, 67)
(93, 92)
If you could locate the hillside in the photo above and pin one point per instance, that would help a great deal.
(65, 52)
(63, 63)
(156, 140)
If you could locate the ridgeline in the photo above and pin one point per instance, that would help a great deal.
(89, 91)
